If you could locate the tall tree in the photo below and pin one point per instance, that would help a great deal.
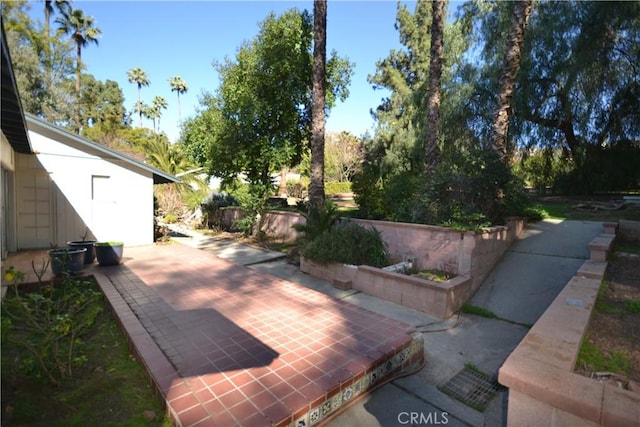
(511, 64)
(316, 187)
(431, 148)
(141, 109)
(258, 122)
(580, 84)
(74, 23)
(178, 86)
(157, 105)
(139, 77)
(50, 6)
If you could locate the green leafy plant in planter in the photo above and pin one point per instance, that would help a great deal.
(109, 253)
(348, 243)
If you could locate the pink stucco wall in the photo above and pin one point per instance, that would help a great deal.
(463, 253)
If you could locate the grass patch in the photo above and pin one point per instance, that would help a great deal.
(591, 358)
(478, 311)
(483, 312)
(109, 387)
(632, 306)
(627, 246)
(563, 208)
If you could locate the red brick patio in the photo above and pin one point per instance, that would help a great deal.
(227, 345)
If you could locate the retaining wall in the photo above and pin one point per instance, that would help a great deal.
(441, 300)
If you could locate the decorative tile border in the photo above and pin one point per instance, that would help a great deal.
(376, 375)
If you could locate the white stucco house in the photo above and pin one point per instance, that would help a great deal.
(55, 186)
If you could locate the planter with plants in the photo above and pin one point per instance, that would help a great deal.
(67, 260)
(334, 253)
(109, 253)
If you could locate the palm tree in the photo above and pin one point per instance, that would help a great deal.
(511, 64)
(140, 108)
(180, 87)
(139, 77)
(316, 187)
(81, 28)
(49, 7)
(431, 149)
(157, 105)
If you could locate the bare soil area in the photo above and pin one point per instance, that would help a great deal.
(612, 343)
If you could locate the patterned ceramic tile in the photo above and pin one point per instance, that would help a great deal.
(314, 416)
(302, 421)
(336, 402)
(347, 394)
(325, 408)
(367, 381)
(357, 386)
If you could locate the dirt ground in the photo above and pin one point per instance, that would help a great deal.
(615, 325)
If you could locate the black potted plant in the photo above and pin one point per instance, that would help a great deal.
(67, 260)
(90, 254)
(109, 253)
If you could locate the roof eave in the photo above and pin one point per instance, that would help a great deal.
(13, 120)
(159, 176)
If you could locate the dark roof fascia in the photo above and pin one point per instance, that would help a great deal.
(159, 177)
(12, 119)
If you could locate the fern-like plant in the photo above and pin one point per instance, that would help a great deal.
(317, 221)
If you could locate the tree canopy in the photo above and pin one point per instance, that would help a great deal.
(258, 121)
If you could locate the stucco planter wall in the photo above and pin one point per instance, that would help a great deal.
(340, 273)
(466, 254)
(441, 300)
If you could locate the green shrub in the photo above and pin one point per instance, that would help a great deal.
(348, 243)
(317, 222)
(49, 325)
(333, 187)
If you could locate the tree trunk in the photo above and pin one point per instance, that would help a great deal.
(431, 149)
(139, 104)
(78, 95)
(47, 29)
(316, 187)
(282, 190)
(511, 64)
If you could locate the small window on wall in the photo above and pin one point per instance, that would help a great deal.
(102, 189)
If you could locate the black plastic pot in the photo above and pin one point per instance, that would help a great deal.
(67, 260)
(109, 253)
(90, 255)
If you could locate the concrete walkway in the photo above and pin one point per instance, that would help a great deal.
(535, 269)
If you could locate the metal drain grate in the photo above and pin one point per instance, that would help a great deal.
(472, 387)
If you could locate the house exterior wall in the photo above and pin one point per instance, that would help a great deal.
(94, 195)
(7, 201)
(6, 153)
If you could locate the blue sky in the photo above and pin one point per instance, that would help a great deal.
(182, 38)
